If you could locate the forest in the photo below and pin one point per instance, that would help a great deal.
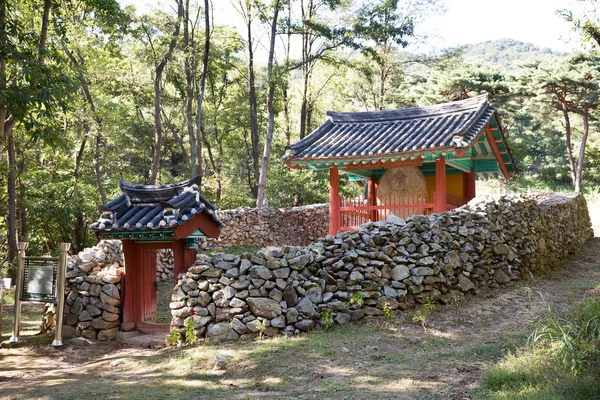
(92, 93)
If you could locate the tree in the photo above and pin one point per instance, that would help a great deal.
(572, 86)
(585, 20)
(160, 60)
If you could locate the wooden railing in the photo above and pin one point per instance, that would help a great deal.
(354, 212)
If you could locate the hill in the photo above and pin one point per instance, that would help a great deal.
(506, 54)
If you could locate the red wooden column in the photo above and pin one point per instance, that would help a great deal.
(372, 198)
(182, 258)
(469, 186)
(128, 285)
(334, 202)
(439, 203)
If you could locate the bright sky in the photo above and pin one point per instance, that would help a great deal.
(473, 21)
(464, 22)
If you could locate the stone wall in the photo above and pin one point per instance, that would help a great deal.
(165, 262)
(93, 299)
(442, 257)
(271, 226)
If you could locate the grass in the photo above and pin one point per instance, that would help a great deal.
(561, 360)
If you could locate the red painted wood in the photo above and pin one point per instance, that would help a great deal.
(148, 306)
(127, 285)
(440, 185)
(200, 221)
(334, 201)
(496, 150)
(372, 198)
(469, 186)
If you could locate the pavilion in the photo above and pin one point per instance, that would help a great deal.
(412, 161)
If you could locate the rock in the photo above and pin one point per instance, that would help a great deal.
(258, 271)
(465, 283)
(342, 318)
(305, 325)
(421, 271)
(85, 316)
(263, 307)
(355, 277)
(111, 301)
(299, 262)
(107, 334)
(291, 315)
(110, 317)
(278, 322)
(111, 290)
(290, 296)
(400, 272)
(221, 331)
(500, 276)
(306, 308)
(99, 323)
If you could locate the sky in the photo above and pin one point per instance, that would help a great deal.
(463, 22)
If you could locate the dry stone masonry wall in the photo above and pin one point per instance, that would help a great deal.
(442, 257)
(93, 292)
(165, 262)
(271, 226)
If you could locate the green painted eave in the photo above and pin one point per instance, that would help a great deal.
(159, 236)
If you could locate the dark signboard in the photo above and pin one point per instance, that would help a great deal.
(39, 279)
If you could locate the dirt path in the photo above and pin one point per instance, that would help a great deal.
(376, 359)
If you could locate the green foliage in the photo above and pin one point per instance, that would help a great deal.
(387, 311)
(190, 335)
(174, 336)
(420, 316)
(327, 317)
(357, 298)
(562, 356)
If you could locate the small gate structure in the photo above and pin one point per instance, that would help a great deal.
(40, 279)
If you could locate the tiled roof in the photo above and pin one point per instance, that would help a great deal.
(148, 207)
(366, 134)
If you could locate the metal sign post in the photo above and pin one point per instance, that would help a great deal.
(60, 294)
(18, 291)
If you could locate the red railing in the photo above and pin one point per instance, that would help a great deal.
(354, 212)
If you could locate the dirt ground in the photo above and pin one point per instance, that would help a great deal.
(375, 359)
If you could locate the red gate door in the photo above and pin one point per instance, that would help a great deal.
(149, 292)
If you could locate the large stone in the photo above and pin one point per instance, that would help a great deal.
(221, 331)
(85, 316)
(278, 322)
(454, 260)
(110, 317)
(290, 296)
(99, 323)
(465, 283)
(355, 277)
(291, 315)
(111, 290)
(501, 276)
(107, 334)
(258, 271)
(299, 262)
(111, 301)
(400, 272)
(422, 271)
(307, 309)
(305, 325)
(262, 307)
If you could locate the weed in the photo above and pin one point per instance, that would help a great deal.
(327, 317)
(357, 298)
(387, 311)
(174, 335)
(190, 335)
(420, 316)
(260, 326)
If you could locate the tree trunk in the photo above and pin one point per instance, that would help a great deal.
(202, 89)
(568, 143)
(253, 106)
(264, 167)
(11, 206)
(586, 129)
(158, 71)
(190, 67)
(44, 31)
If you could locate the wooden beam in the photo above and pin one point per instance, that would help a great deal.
(388, 164)
(334, 202)
(372, 198)
(439, 203)
(469, 186)
(496, 151)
